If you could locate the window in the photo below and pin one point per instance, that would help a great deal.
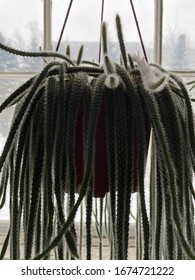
(83, 26)
(178, 48)
(178, 35)
(21, 27)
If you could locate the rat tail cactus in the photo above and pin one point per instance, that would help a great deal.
(84, 132)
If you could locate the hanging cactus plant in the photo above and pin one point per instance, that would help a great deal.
(82, 130)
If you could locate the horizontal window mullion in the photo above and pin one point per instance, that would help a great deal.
(26, 75)
(184, 73)
(17, 75)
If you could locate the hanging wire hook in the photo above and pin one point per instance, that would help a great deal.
(64, 25)
(100, 43)
(139, 32)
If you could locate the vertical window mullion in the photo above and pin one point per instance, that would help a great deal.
(158, 31)
(47, 18)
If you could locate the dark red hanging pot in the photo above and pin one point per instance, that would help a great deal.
(100, 153)
(101, 182)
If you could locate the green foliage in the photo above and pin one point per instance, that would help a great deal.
(137, 102)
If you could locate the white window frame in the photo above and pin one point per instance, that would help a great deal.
(158, 27)
(47, 30)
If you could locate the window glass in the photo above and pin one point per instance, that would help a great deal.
(178, 35)
(6, 88)
(21, 28)
(83, 26)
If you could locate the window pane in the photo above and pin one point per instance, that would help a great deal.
(6, 88)
(83, 26)
(21, 27)
(178, 35)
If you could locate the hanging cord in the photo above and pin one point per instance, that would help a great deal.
(100, 43)
(139, 32)
(64, 25)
